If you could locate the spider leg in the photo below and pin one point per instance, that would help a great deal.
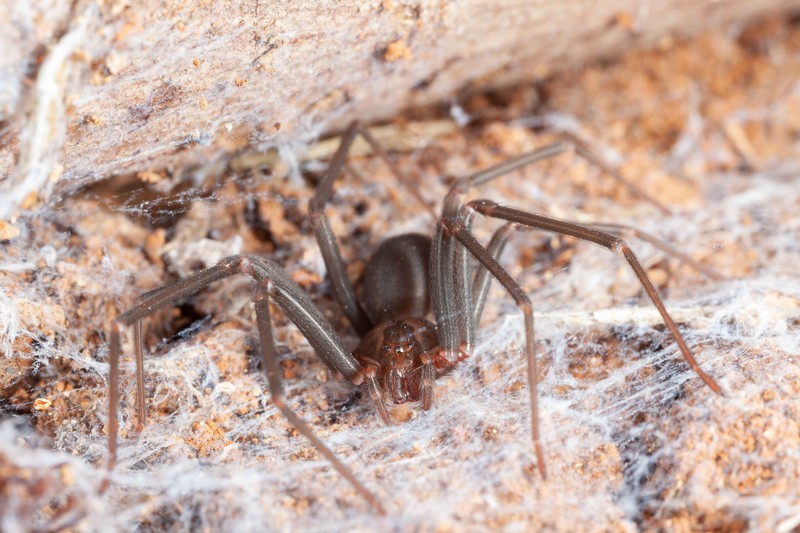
(147, 304)
(483, 278)
(582, 150)
(496, 246)
(343, 289)
(427, 380)
(442, 261)
(304, 314)
(138, 345)
(450, 267)
(273, 283)
(487, 257)
(113, 400)
(461, 232)
(402, 178)
(454, 199)
(442, 285)
(265, 289)
(374, 389)
(570, 142)
(621, 230)
(607, 240)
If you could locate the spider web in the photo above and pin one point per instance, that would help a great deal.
(623, 418)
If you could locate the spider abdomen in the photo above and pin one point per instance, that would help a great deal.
(396, 279)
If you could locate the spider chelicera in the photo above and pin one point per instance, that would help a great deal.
(401, 353)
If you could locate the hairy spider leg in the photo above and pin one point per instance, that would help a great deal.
(272, 283)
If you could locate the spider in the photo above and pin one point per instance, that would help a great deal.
(401, 353)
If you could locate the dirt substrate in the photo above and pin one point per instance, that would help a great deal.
(632, 438)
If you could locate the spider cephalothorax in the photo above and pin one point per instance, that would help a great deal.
(400, 355)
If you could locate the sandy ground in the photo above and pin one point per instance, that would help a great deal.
(633, 440)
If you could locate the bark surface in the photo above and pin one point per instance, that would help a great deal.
(92, 89)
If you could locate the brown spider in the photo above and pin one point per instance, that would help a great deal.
(401, 353)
